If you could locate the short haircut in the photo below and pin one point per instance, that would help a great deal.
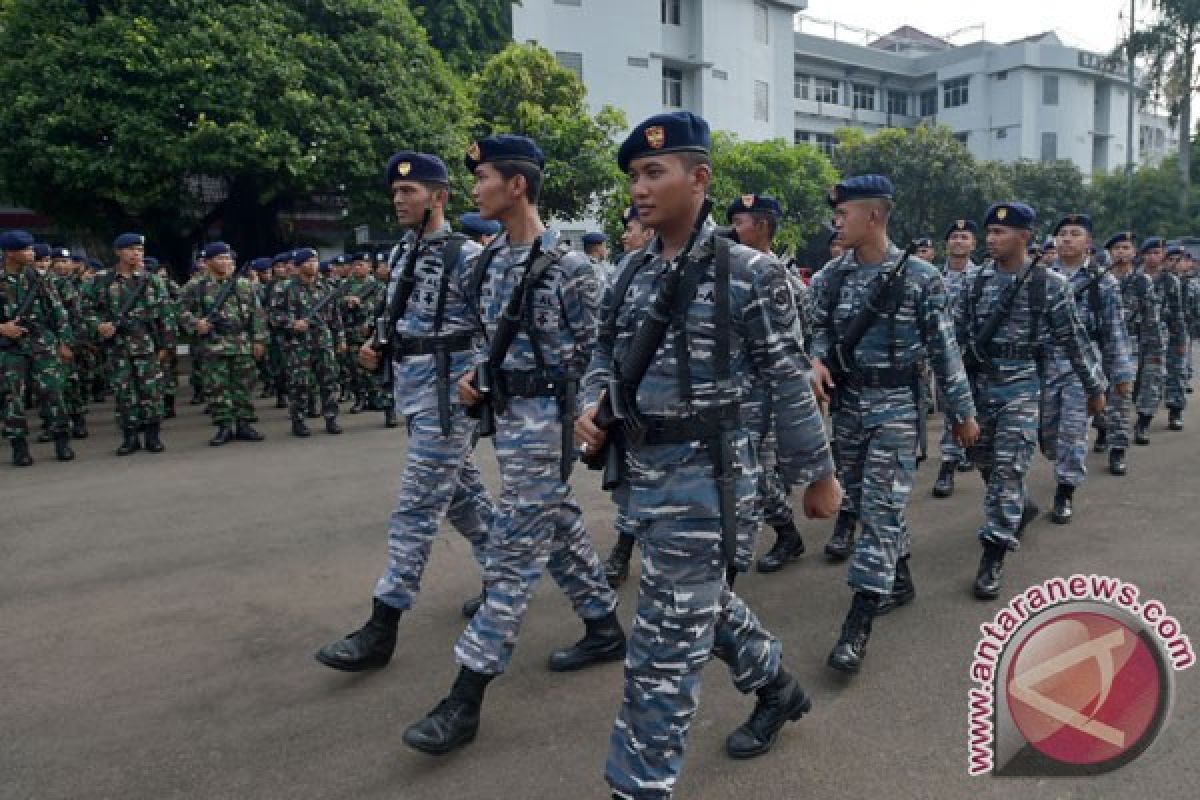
(771, 220)
(529, 171)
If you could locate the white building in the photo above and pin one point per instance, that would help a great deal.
(744, 67)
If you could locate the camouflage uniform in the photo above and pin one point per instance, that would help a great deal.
(1064, 417)
(538, 523)
(1173, 316)
(1140, 303)
(954, 280)
(34, 354)
(310, 357)
(59, 406)
(686, 611)
(236, 327)
(359, 322)
(75, 388)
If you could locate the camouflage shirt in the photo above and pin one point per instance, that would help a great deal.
(147, 326)
(43, 320)
(237, 325)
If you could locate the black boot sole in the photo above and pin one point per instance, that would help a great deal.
(441, 749)
(801, 708)
(774, 562)
(616, 652)
(892, 602)
(350, 666)
(942, 492)
(844, 667)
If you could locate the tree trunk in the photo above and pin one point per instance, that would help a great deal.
(1185, 123)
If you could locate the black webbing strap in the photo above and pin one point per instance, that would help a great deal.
(450, 253)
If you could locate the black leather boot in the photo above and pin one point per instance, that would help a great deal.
(245, 432)
(1116, 461)
(474, 604)
(369, 647)
(779, 702)
(197, 396)
(359, 406)
(389, 418)
(603, 642)
(169, 406)
(991, 571)
(1175, 419)
(281, 400)
(45, 436)
(1141, 431)
(79, 428)
(331, 425)
(62, 447)
(616, 566)
(1062, 504)
(224, 435)
(851, 648)
(153, 441)
(904, 591)
(944, 485)
(842, 541)
(787, 548)
(20, 452)
(1101, 445)
(299, 427)
(130, 442)
(454, 721)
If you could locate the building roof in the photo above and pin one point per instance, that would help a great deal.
(908, 38)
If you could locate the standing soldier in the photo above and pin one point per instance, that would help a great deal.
(222, 310)
(310, 328)
(280, 274)
(537, 303)
(1176, 315)
(1172, 331)
(70, 290)
(1012, 312)
(690, 325)
(260, 271)
(1191, 307)
(960, 244)
(428, 335)
(595, 247)
(925, 249)
(171, 368)
(878, 312)
(31, 324)
(53, 405)
(357, 303)
(1063, 433)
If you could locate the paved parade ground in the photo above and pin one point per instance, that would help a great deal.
(159, 615)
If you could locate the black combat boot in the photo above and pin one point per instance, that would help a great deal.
(169, 406)
(45, 435)
(851, 648)
(1062, 504)
(79, 429)
(331, 425)
(389, 418)
(130, 442)
(904, 591)
(62, 446)
(1141, 431)
(1028, 514)
(944, 485)
(842, 541)
(474, 604)
(299, 427)
(153, 442)
(1101, 445)
(454, 721)
(1175, 419)
(224, 435)
(991, 570)
(369, 647)
(616, 566)
(603, 642)
(779, 702)
(1116, 461)
(245, 432)
(20, 450)
(787, 548)
(314, 407)
(197, 396)
(359, 404)
(281, 400)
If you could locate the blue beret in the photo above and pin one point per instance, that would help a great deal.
(96, 264)
(408, 165)
(925, 241)
(1011, 215)
(150, 262)
(474, 224)
(1123, 236)
(678, 132)
(341, 260)
(325, 267)
(128, 240)
(361, 256)
(504, 147)
(78, 260)
(261, 264)
(592, 239)
(41, 250)
(15, 240)
(962, 226)
(754, 203)
(1175, 250)
(282, 258)
(214, 249)
(1151, 243)
(303, 254)
(862, 187)
(1082, 220)
(630, 214)
(1049, 243)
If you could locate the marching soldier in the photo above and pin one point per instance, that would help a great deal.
(1172, 332)
(70, 290)
(925, 249)
(357, 304)
(595, 247)
(1177, 316)
(53, 375)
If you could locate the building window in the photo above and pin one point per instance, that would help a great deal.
(1002, 75)
(720, 75)
(633, 61)
(897, 102)
(1049, 90)
(954, 93)
(825, 142)
(671, 12)
(1145, 136)
(572, 61)
(963, 137)
(1002, 133)
(929, 103)
(802, 90)
(864, 96)
(762, 23)
(672, 87)
(1049, 147)
(827, 91)
(801, 137)
(762, 101)
(568, 2)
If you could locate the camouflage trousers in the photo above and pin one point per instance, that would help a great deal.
(1174, 396)
(1116, 419)
(137, 384)
(1008, 428)
(311, 370)
(875, 465)
(74, 398)
(357, 381)
(952, 452)
(773, 491)
(439, 479)
(44, 373)
(171, 375)
(538, 526)
(228, 383)
(1150, 388)
(61, 397)
(686, 613)
(1063, 427)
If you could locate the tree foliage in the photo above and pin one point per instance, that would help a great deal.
(466, 32)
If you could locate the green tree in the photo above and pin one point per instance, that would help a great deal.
(937, 179)
(1150, 206)
(524, 90)
(1054, 189)
(188, 119)
(466, 32)
(798, 176)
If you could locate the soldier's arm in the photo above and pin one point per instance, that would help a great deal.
(937, 334)
(280, 314)
(1151, 330)
(819, 305)
(258, 320)
(579, 294)
(1118, 351)
(1067, 331)
(164, 331)
(1175, 299)
(600, 366)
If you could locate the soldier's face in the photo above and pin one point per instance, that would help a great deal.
(750, 231)
(382, 271)
(61, 266)
(361, 269)
(636, 236)
(1153, 258)
(854, 222)
(1072, 242)
(493, 193)
(409, 200)
(664, 188)
(41, 264)
(131, 256)
(1122, 253)
(220, 266)
(1005, 243)
(960, 244)
(926, 253)
(308, 269)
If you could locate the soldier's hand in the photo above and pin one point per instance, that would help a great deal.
(341, 348)
(65, 354)
(259, 352)
(967, 432)
(203, 328)
(1097, 404)
(590, 437)
(1124, 389)
(300, 326)
(11, 330)
(822, 381)
(368, 357)
(106, 329)
(823, 498)
(467, 393)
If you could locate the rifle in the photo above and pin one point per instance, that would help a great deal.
(974, 358)
(385, 324)
(35, 285)
(119, 320)
(214, 327)
(616, 411)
